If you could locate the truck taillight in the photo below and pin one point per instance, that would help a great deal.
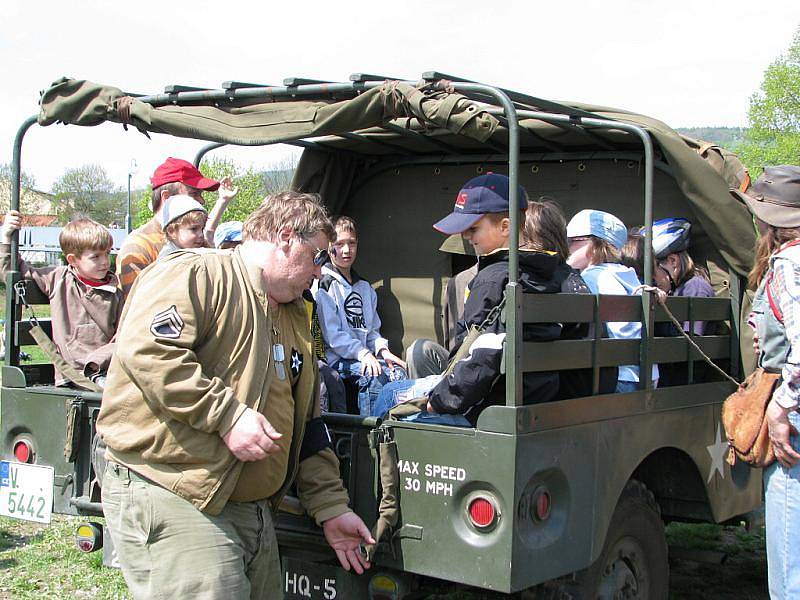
(383, 587)
(23, 451)
(482, 512)
(89, 537)
(540, 507)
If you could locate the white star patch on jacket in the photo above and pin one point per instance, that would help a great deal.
(167, 323)
(296, 363)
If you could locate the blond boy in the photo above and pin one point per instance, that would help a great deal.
(85, 301)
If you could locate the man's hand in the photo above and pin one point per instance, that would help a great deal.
(345, 534)
(11, 223)
(370, 365)
(252, 437)
(779, 432)
(227, 191)
(393, 360)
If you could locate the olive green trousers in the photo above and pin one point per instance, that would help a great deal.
(170, 550)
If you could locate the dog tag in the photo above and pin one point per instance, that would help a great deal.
(277, 353)
(280, 370)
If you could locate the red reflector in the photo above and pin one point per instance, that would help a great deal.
(22, 452)
(481, 512)
(543, 506)
(85, 545)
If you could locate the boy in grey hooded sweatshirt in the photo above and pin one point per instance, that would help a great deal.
(348, 316)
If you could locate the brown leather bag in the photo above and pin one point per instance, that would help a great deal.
(744, 419)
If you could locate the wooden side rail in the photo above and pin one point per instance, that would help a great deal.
(585, 308)
(22, 331)
(577, 354)
(579, 308)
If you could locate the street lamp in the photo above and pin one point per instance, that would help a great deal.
(131, 172)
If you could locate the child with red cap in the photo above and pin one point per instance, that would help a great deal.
(174, 176)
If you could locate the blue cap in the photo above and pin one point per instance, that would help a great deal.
(228, 232)
(479, 196)
(600, 224)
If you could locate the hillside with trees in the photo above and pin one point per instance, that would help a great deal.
(727, 137)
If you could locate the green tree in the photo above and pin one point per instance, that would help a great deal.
(140, 208)
(87, 191)
(253, 185)
(28, 195)
(27, 180)
(774, 114)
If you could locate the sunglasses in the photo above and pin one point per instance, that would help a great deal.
(320, 254)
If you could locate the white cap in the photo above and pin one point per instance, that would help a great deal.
(599, 224)
(230, 231)
(175, 207)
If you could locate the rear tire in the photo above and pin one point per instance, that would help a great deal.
(633, 562)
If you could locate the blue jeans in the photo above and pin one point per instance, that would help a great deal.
(368, 386)
(397, 392)
(626, 386)
(782, 506)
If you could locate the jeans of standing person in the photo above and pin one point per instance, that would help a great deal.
(782, 509)
(398, 392)
(169, 549)
(369, 386)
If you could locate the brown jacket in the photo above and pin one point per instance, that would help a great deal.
(192, 353)
(84, 318)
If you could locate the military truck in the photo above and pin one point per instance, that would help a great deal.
(567, 498)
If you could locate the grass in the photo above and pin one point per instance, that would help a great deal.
(742, 575)
(39, 561)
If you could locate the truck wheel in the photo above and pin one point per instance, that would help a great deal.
(633, 563)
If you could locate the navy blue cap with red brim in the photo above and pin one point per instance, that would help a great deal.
(479, 196)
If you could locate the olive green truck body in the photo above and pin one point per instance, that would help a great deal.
(567, 495)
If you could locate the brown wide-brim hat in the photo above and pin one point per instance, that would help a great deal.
(775, 196)
(455, 244)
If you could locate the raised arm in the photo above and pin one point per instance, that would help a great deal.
(227, 192)
(43, 277)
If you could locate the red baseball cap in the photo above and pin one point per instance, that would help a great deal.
(177, 170)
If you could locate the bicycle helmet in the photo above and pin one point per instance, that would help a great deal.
(670, 235)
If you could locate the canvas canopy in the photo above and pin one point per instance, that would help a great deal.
(84, 103)
(401, 119)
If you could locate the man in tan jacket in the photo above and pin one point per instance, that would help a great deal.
(211, 410)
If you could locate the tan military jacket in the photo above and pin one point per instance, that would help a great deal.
(193, 351)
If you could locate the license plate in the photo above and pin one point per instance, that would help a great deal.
(313, 581)
(26, 491)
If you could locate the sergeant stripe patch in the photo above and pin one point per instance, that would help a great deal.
(167, 323)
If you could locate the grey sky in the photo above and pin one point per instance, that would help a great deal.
(686, 62)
